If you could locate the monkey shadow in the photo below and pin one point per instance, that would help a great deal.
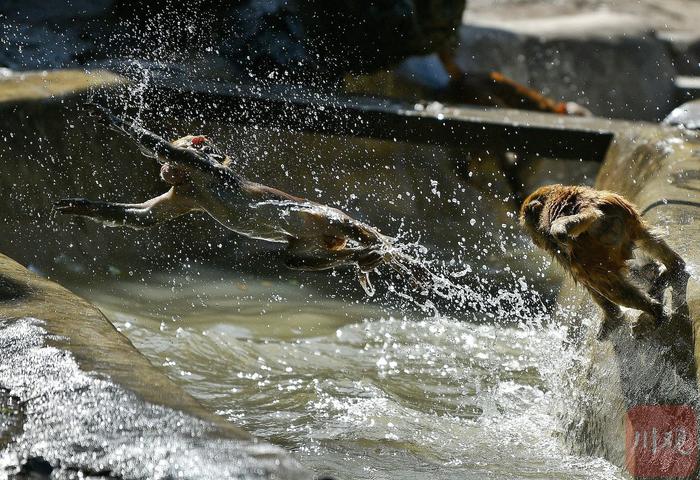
(657, 364)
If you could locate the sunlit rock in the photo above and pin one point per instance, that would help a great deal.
(78, 398)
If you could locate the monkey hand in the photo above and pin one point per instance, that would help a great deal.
(104, 116)
(573, 108)
(75, 206)
(559, 231)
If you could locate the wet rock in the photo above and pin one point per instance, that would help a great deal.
(93, 405)
(11, 290)
(684, 47)
(687, 115)
(20, 87)
(11, 416)
(34, 468)
(41, 35)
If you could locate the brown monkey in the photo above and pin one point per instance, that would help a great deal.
(592, 233)
(202, 179)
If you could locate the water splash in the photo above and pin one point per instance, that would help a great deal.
(420, 280)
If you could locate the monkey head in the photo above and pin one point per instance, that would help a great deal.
(175, 175)
(531, 214)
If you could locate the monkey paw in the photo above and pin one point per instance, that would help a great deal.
(558, 231)
(573, 108)
(73, 206)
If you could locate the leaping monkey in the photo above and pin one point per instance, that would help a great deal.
(202, 179)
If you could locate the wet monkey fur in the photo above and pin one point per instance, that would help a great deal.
(202, 178)
(592, 234)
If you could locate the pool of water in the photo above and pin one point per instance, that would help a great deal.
(357, 390)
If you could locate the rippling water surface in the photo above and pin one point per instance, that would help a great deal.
(355, 391)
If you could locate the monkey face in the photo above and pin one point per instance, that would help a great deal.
(532, 208)
(202, 144)
(531, 214)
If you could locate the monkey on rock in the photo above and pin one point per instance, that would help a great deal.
(592, 234)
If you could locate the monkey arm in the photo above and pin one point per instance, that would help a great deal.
(156, 146)
(135, 215)
(571, 226)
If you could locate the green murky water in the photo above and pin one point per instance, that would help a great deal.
(354, 390)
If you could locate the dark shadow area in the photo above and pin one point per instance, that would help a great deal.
(11, 290)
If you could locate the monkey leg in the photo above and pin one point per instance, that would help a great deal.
(675, 273)
(135, 215)
(659, 249)
(364, 261)
(612, 315)
(308, 255)
(622, 292)
(309, 263)
(351, 229)
(325, 226)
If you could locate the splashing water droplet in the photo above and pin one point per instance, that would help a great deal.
(366, 284)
